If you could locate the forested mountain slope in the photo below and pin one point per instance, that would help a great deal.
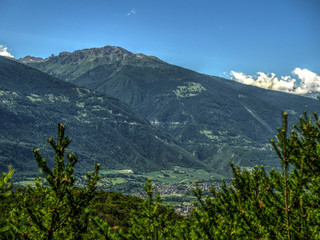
(216, 119)
(105, 130)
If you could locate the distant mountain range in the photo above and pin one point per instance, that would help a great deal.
(215, 119)
(103, 129)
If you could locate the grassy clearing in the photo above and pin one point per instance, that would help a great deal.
(179, 175)
(34, 99)
(27, 182)
(108, 171)
(191, 89)
(118, 180)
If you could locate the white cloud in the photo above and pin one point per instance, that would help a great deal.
(308, 81)
(131, 12)
(4, 52)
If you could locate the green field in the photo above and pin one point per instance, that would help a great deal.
(182, 175)
(176, 175)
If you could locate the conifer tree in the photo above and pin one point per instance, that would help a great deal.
(59, 210)
(154, 221)
(151, 222)
(277, 205)
(5, 192)
(281, 204)
(5, 186)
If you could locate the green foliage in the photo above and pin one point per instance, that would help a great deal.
(153, 221)
(57, 211)
(278, 205)
(5, 186)
(257, 205)
(150, 220)
(5, 193)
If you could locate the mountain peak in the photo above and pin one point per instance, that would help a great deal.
(110, 52)
(77, 62)
(30, 59)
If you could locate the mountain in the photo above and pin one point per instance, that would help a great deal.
(215, 119)
(104, 129)
(30, 60)
(68, 66)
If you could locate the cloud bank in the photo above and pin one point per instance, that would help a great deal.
(4, 52)
(306, 82)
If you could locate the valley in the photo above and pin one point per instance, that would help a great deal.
(171, 124)
(175, 185)
(162, 120)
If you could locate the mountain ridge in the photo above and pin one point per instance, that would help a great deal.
(215, 119)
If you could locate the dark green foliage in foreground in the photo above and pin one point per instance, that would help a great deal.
(257, 205)
(146, 220)
(54, 212)
(5, 193)
(114, 208)
(269, 206)
(154, 221)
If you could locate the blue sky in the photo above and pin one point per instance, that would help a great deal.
(209, 36)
